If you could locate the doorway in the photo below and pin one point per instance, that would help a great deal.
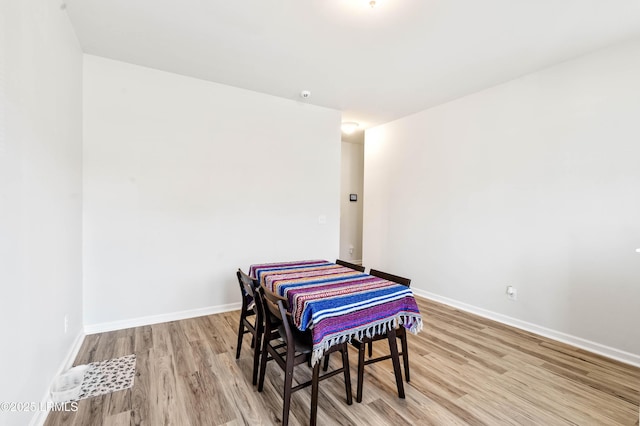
(351, 193)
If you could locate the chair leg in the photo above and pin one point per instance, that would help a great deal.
(256, 357)
(240, 335)
(361, 350)
(370, 345)
(263, 363)
(347, 373)
(405, 354)
(288, 380)
(253, 341)
(393, 347)
(314, 394)
(325, 367)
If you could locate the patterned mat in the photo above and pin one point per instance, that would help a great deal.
(108, 376)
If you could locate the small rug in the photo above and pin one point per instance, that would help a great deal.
(108, 376)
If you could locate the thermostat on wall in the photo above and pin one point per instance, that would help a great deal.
(353, 197)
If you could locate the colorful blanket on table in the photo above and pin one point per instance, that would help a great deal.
(337, 303)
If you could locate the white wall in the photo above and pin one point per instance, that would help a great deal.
(351, 180)
(40, 198)
(187, 180)
(534, 183)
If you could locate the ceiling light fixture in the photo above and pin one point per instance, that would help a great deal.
(372, 3)
(348, 127)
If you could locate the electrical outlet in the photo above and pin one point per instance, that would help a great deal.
(512, 293)
(66, 323)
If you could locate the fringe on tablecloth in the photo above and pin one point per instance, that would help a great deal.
(414, 322)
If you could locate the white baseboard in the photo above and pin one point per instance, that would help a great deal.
(156, 319)
(41, 416)
(607, 351)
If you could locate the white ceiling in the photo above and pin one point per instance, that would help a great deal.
(375, 65)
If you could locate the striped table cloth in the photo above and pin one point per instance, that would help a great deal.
(337, 303)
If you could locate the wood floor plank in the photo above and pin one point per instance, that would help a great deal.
(140, 401)
(120, 419)
(464, 370)
(584, 399)
(87, 351)
(90, 412)
(625, 392)
(162, 338)
(459, 349)
(182, 355)
(143, 338)
(203, 396)
(167, 402)
(191, 329)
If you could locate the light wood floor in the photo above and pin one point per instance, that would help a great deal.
(464, 370)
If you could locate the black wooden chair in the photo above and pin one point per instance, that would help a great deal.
(296, 350)
(358, 268)
(390, 336)
(250, 309)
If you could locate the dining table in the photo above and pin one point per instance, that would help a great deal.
(338, 304)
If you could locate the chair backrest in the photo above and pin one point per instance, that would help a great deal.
(272, 300)
(390, 277)
(251, 289)
(277, 308)
(353, 266)
(246, 283)
(247, 290)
